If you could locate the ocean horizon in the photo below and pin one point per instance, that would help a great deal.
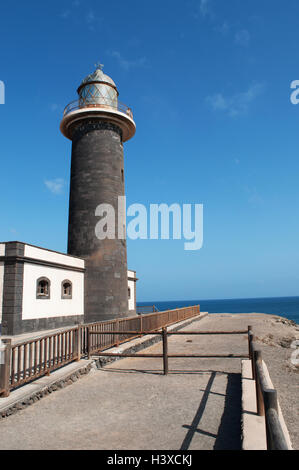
(287, 307)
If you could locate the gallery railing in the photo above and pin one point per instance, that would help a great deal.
(105, 103)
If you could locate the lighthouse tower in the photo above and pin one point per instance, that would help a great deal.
(98, 124)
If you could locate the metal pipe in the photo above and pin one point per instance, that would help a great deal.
(170, 332)
(207, 356)
(165, 351)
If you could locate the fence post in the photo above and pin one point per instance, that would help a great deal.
(141, 316)
(165, 350)
(77, 345)
(117, 336)
(257, 359)
(270, 399)
(88, 338)
(250, 350)
(5, 369)
(270, 402)
(276, 439)
(250, 337)
(253, 361)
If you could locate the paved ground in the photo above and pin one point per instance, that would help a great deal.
(131, 405)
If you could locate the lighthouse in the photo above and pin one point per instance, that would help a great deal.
(98, 125)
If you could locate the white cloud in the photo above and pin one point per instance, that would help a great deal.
(237, 104)
(242, 38)
(204, 7)
(65, 14)
(90, 20)
(56, 186)
(90, 17)
(223, 29)
(127, 64)
(218, 101)
(253, 196)
(54, 107)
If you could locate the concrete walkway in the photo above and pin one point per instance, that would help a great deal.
(129, 404)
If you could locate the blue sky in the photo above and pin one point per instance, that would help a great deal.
(209, 85)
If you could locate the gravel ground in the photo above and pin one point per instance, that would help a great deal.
(129, 404)
(274, 336)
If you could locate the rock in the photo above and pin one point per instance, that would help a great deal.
(286, 342)
(19, 406)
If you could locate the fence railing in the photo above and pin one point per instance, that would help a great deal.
(164, 333)
(266, 399)
(32, 359)
(146, 309)
(29, 360)
(149, 322)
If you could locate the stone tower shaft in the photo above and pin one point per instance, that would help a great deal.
(98, 125)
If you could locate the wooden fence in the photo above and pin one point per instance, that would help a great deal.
(148, 323)
(29, 360)
(266, 399)
(141, 309)
(164, 333)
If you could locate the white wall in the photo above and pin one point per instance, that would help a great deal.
(34, 308)
(52, 256)
(55, 306)
(132, 285)
(1, 287)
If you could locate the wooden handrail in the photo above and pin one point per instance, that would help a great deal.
(267, 403)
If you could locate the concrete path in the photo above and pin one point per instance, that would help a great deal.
(130, 404)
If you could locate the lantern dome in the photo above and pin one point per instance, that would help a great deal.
(98, 100)
(98, 89)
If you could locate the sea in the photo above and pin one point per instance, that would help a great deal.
(287, 307)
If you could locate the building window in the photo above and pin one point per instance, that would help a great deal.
(122, 175)
(129, 292)
(66, 290)
(43, 288)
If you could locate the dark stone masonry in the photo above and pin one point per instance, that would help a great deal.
(12, 289)
(97, 177)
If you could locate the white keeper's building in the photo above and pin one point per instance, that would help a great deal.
(43, 289)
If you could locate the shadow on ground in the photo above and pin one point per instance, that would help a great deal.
(160, 371)
(228, 436)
